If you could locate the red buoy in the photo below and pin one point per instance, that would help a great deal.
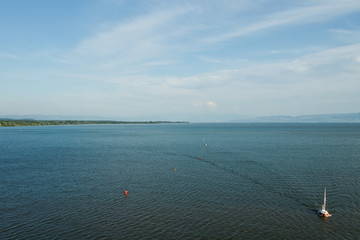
(125, 192)
(201, 158)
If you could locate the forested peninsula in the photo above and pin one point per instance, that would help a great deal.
(25, 122)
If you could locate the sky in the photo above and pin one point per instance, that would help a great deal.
(197, 60)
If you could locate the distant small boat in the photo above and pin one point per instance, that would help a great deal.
(203, 149)
(322, 212)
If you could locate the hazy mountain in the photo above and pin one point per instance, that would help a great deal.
(326, 118)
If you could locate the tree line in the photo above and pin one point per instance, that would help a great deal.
(14, 123)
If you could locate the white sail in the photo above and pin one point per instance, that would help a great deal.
(322, 212)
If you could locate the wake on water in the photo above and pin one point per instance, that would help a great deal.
(288, 191)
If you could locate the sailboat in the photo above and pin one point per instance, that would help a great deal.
(322, 212)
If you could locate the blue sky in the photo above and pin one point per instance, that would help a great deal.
(179, 60)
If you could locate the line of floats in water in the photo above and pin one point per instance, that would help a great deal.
(322, 212)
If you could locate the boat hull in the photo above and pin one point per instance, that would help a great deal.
(323, 213)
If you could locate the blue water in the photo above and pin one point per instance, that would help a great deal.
(256, 181)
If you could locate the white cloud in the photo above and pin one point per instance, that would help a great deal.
(313, 12)
(138, 36)
(161, 63)
(171, 33)
(347, 36)
(348, 52)
(175, 59)
(211, 105)
(302, 77)
(310, 82)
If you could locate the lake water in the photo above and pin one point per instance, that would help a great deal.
(256, 181)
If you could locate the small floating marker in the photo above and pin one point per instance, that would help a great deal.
(201, 158)
(175, 169)
(126, 192)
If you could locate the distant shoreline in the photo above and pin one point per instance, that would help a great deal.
(25, 122)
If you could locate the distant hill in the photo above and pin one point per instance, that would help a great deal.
(323, 118)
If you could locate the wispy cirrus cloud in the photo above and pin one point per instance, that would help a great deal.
(310, 13)
(347, 36)
(172, 56)
(171, 32)
(144, 34)
(305, 81)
